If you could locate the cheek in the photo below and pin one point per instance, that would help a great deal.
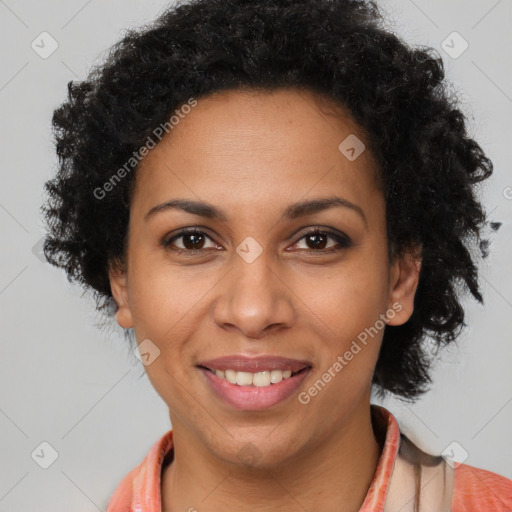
(164, 296)
(349, 303)
(164, 309)
(348, 344)
(347, 297)
(167, 304)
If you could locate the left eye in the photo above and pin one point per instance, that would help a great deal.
(318, 239)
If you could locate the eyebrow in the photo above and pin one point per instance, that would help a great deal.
(294, 211)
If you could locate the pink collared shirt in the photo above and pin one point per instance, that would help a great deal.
(468, 489)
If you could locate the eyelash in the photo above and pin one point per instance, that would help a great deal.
(343, 241)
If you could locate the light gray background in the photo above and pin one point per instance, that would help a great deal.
(66, 382)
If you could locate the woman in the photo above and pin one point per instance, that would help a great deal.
(277, 199)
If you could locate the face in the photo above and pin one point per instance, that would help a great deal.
(251, 280)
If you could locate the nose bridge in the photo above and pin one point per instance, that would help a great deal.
(253, 298)
(253, 268)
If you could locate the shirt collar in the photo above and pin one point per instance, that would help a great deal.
(376, 495)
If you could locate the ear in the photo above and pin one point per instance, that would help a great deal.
(404, 278)
(119, 287)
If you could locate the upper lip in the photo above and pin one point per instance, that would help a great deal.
(255, 364)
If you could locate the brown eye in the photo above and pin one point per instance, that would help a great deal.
(317, 241)
(192, 240)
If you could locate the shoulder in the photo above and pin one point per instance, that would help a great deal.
(140, 488)
(477, 489)
(122, 498)
(448, 485)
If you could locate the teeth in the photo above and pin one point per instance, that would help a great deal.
(258, 379)
(243, 378)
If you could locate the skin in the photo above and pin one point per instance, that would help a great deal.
(252, 154)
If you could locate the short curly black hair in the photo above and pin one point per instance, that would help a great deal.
(428, 165)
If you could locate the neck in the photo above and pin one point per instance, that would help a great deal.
(335, 475)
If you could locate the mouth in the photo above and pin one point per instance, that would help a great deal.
(255, 379)
(253, 384)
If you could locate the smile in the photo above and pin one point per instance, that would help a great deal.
(257, 379)
(253, 391)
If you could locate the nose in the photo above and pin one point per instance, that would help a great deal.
(254, 299)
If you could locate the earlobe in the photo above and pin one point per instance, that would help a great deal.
(404, 281)
(119, 287)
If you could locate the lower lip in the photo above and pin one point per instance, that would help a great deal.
(254, 398)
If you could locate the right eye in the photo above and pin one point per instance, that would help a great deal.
(192, 241)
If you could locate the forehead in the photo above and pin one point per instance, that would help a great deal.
(260, 147)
